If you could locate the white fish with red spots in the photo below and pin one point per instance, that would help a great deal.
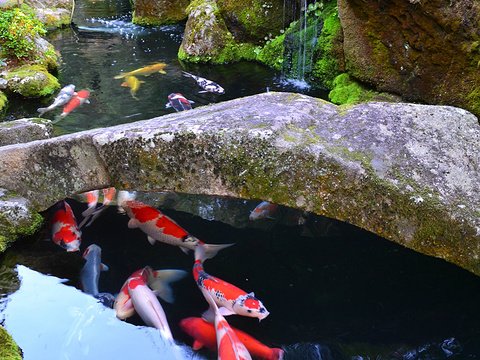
(228, 344)
(229, 298)
(65, 232)
(264, 210)
(159, 227)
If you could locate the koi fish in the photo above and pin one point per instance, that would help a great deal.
(77, 100)
(90, 274)
(145, 71)
(133, 83)
(159, 227)
(204, 335)
(228, 345)
(264, 210)
(179, 102)
(65, 232)
(124, 196)
(108, 195)
(205, 84)
(228, 297)
(158, 280)
(62, 98)
(92, 199)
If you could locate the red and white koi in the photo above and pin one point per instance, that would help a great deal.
(179, 102)
(264, 210)
(203, 333)
(159, 227)
(229, 298)
(158, 280)
(228, 345)
(77, 100)
(205, 84)
(65, 232)
(92, 211)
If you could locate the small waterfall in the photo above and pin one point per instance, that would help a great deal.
(300, 41)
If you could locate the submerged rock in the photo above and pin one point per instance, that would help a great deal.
(407, 172)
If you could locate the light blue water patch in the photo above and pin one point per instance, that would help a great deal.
(50, 320)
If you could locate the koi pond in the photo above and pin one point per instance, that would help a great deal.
(103, 43)
(333, 291)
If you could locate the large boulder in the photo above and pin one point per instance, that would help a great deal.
(405, 171)
(425, 51)
(151, 12)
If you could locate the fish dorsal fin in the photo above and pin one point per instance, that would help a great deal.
(103, 267)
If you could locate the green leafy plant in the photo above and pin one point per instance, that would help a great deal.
(17, 32)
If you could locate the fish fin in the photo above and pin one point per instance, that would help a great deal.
(277, 354)
(160, 281)
(251, 294)
(151, 240)
(269, 217)
(89, 211)
(121, 76)
(202, 91)
(87, 101)
(162, 71)
(42, 111)
(142, 82)
(191, 101)
(225, 312)
(168, 105)
(104, 267)
(128, 305)
(124, 84)
(83, 221)
(133, 224)
(186, 74)
(197, 345)
(185, 250)
(209, 315)
(96, 214)
(212, 250)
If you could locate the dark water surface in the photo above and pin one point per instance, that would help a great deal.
(103, 43)
(333, 291)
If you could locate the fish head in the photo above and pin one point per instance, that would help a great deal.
(92, 251)
(249, 305)
(123, 306)
(68, 237)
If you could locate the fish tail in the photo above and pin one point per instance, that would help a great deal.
(160, 280)
(121, 76)
(277, 354)
(186, 74)
(42, 110)
(212, 250)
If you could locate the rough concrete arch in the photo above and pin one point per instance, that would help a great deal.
(406, 172)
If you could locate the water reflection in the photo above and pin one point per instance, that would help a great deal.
(50, 320)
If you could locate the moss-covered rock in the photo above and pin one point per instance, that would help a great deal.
(52, 13)
(8, 349)
(17, 218)
(207, 38)
(3, 101)
(31, 81)
(425, 51)
(347, 91)
(150, 12)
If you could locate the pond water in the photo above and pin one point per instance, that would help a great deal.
(102, 43)
(333, 291)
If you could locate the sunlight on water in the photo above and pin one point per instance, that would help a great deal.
(50, 320)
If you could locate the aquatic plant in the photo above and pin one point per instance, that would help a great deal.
(18, 31)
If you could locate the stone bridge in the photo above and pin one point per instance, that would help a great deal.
(404, 171)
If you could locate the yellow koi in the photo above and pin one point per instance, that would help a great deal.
(133, 83)
(145, 71)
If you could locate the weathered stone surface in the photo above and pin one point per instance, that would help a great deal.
(53, 13)
(407, 172)
(150, 12)
(25, 130)
(425, 51)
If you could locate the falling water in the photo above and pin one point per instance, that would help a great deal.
(300, 43)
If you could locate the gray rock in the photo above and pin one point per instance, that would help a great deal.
(404, 171)
(25, 130)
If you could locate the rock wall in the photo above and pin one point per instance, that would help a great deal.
(407, 172)
(425, 51)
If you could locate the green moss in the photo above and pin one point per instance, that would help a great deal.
(329, 50)
(8, 349)
(272, 53)
(347, 91)
(3, 101)
(32, 81)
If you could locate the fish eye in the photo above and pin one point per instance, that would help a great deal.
(249, 311)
